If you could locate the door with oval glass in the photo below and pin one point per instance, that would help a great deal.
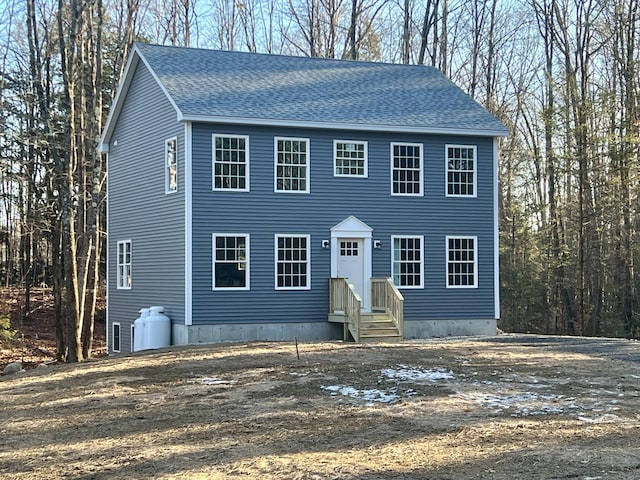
(351, 262)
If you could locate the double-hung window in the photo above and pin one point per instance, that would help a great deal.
(171, 165)
(350, 158)
(462, 262)
(461, 171)
(124, 265)
(291, 165)
(407, 261)
(406, 169)
(230, 261)
(231, 162)
(293, 269)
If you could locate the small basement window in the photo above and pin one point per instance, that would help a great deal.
(115, 337)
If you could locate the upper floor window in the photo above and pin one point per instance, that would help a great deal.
(406, 169)
(462, 262)
(230, 261)
(124, 265)
(231, 162)
(171, 165)
(293, 270)
(461, 171)
(350, 158)
(292, 165)
(407, 261)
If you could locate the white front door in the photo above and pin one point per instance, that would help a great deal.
(351, 263)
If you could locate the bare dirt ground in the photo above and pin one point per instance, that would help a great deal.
(505, 407)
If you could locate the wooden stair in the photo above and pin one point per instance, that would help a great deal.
(378, 327)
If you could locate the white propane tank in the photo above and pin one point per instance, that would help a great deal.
(157, 329)
(138, 330)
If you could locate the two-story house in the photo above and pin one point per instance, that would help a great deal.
(264, 197)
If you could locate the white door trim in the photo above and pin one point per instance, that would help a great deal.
(352, 227)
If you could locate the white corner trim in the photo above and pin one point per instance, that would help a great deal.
(188, 226)
(496, 233)
(108, 341)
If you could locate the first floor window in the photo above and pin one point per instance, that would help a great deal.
(124, 265)
(292, 165)
(350, 158)
(461, 166)
(171, 165)
(292, 262)
(231, 261)
(115, 337)
(406, 169)
(407, 264)
(231, 162)
(462, 262)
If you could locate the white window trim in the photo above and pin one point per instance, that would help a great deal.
(213, 262)
(167, 180)
(475, 260)
(113, 325)
(275, 165)
(366, 158)
(213, 163)
(275, 258)
(446, 171)
(421, 237)
(120, 285)
(408, 144)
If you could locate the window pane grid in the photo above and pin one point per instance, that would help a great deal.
(460, 170)
(230, 261)
(350, 159)
(407, 261)
(230, 163)
(171, 165)
(292, 264)
(291, 165)
(407, 170)
(124, 265)
(461, 262)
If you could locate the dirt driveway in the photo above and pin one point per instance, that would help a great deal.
(505, 407)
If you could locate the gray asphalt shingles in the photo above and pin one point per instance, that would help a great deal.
(214, 83)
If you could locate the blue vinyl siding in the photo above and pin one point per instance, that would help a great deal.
(263, 213)
(141, 211)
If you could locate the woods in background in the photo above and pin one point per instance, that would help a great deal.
(562, 74)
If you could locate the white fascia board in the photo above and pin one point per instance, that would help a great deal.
(121, 93)
(342, 126)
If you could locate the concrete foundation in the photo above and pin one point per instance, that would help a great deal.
(245, 332)
(449, 328)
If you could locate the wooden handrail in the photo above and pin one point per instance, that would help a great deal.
(385, 296)
(343, 298)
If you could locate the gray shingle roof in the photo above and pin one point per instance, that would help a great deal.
(299, 90)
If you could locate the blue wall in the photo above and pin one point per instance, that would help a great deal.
(263, 213)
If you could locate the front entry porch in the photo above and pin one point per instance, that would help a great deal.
(383, 323)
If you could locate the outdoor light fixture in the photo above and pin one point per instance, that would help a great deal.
(377, 244)
(325, 243)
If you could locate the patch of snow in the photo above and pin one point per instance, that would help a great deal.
(522, 404)
(606, 418)
(369, 395)
(216, 381)
(413, 374)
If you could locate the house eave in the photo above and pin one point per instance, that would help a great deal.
(343, 126)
